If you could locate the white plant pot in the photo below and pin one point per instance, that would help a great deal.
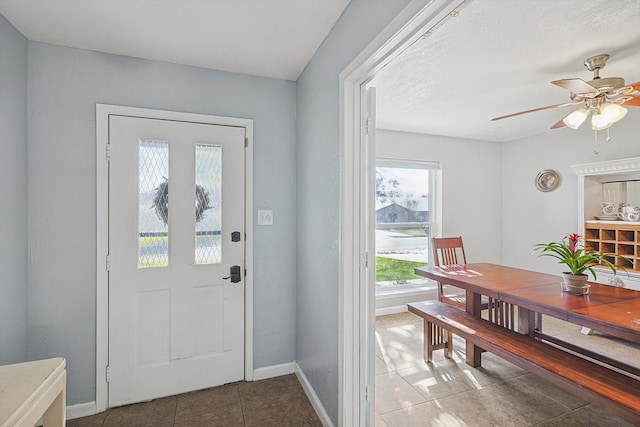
(575, 284)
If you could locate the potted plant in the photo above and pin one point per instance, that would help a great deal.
(572, 252)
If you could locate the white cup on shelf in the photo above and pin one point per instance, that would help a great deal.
(630, 213)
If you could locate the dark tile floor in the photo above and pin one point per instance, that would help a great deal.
(274, 402)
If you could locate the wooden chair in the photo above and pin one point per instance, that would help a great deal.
(449, 251)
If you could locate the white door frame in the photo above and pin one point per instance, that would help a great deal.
(355, 387)
(102, 230)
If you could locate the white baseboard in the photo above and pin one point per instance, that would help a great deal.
(313, 397)
(273, 371)
(76, 411)
(391, 310)
(81, 410)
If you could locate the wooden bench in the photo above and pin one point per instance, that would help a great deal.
(614, 391)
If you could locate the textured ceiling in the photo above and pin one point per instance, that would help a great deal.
(272, 38)
(497, 57)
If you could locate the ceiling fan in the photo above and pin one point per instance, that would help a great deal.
(601, 97)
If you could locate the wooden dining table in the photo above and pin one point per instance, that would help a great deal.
(608, 309)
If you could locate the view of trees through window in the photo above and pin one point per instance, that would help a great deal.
(402, 223)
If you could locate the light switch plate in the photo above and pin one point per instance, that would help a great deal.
(265, 217)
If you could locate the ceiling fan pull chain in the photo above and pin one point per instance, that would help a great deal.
(595, 143)
(608, 136)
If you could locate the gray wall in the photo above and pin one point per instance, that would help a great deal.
(64, 86)
(318, 178)
(13, 194)
(471, 185)
(530, 216)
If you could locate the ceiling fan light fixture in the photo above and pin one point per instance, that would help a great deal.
(599, 121)
(613, 112)
(575, 119)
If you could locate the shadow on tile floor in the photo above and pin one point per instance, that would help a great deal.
(273, 402)
(449, 393)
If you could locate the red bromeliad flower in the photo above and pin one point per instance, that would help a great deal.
(572, 252)
(574, 238)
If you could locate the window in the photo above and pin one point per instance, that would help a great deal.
(208, 247)
(405, 219)
(153, 203)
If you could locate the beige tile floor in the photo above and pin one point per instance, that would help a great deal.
(449, 393)
(273, 402)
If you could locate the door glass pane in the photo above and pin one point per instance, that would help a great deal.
(208, 207)
(402, 224)
(153, 203)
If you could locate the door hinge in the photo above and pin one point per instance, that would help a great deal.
(366, 259)
(246, 141)
(367, 124)
(107, 262)
(107, 373)
(108, 152)
(366, 393)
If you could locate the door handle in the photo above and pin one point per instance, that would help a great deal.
(234, 272)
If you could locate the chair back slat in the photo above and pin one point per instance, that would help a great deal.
(448, 251)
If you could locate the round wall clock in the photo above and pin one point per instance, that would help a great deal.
(547, 180)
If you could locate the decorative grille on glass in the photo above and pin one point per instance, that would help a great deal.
(208, 248)
(153, 203)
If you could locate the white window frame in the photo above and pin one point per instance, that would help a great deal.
(434, 195)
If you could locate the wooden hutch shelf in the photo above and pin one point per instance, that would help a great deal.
(615, 181)
(619, 238)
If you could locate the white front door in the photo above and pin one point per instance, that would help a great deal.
(176, 231)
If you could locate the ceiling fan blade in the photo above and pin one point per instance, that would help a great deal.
(534, 110)
(559, 123)
(575, 85)
(635, 85)
(633, 102)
